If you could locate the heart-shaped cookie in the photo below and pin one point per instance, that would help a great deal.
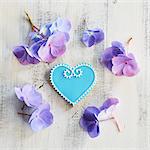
(73, 83)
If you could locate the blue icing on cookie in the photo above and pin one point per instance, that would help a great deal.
(73, 83)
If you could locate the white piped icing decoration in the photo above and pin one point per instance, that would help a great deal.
(68, 73)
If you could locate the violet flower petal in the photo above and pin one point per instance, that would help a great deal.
(32, 98)
(125, 65)
(92, 37)
(108, 103)
(45, 30)
(98, 35)
(107, 56)
(93, 130)
(118, 45)
(41, 118)
(23, 57)
(87, 39)
(33, 50)
(89, 118)
(45, 54)
(107, 109)
(34, 37)
(18, 92)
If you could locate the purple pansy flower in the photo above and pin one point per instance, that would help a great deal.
(21, 53)
(93, 115)
(110, 52)
(125, 65)
(92, 37)
(45, 44)
(29, 95)
(41, 118)
(89, 121)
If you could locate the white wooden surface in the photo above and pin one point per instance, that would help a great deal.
(120, 19)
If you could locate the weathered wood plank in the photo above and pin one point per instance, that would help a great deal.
(120, 20)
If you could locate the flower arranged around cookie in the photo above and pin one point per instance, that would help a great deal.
(45, 44)
(118, 61)
(93, 116)
(92, 37)
(41, 117)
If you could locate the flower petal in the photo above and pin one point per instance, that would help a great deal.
(118, 69)
(45, 30)
(23, 57)
(45, 54)
(33, 50)
(118, 45)
(93, 130)
(98, 35)
(47, 118)
(62, 25)
(92, 110)
(108, 103)
(18, 92)
(88, 39)
(32, 98)
(130, 71)
(37, 124)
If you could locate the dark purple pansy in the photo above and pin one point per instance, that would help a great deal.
(92, 37)
(23, 57)
(89, 121)
(110, 52)
(41, 118)
(92, 116)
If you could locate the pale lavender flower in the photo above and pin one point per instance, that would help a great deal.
(29, 95)
(41, 118)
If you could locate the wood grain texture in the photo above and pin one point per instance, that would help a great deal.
(120, 20)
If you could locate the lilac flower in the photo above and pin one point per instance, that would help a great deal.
(93, 115)
(21, 53)
(118, 61)
(41, 118)
(29, 95)
(45, 44)
(110, 52)
(125, 65)
(92, 37)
